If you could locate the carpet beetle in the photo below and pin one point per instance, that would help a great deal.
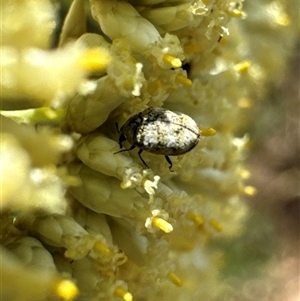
(160, 131)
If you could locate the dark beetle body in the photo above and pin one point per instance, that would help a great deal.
(160, 131)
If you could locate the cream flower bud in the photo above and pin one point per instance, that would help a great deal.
(134, 244)
(88, 112)
(60, 231)
(32, 253)
(75, 23)
(93, 40)
(118, 19)
(102, 194)
(21, 283)
(86, 274)
(97, 152)
(170, 18)
(92, 222)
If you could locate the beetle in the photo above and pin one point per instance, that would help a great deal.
(159, 131)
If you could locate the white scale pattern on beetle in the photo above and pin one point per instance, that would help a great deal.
(160, 131)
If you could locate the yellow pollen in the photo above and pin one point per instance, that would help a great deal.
(283, 19)
(126, 184)
(197, 219)
(175, 279)
(242, 67)
(94, 59)
(101, 247)
(277, 14)
(124, 294)
(250, 190)
(244, 173)
(192, 48)
(236, 13)
(245, 103)
(66, 290)
(208, 132)
(183, 80)
(216, 225)
(162, 224)
(171, 60)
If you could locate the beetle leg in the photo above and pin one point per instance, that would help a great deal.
(125, 150)
(170, 162)
(122, 139)
(140, 151)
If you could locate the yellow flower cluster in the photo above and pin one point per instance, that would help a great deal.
(79, 222)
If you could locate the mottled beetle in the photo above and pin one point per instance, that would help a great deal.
(160, 131)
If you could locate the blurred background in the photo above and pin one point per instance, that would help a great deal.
(274, 162)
